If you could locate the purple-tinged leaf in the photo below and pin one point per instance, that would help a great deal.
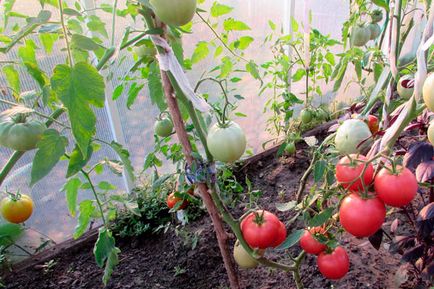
(400, 243)
(418, 153)
(413, 254)
(375, 148)
(425, 171)
(425, 222)
(376, 239)
(429, 269)
(394, 225)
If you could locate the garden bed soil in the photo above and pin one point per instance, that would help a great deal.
(169, 261)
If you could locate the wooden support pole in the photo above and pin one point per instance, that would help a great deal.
(222, 237)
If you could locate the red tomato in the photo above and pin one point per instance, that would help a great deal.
(311, 245)
(281, 236)
(262, 230)
(334, 265)
(396, 190)
(361, 217)
(172, 200)
(348, 172)
(373, 124)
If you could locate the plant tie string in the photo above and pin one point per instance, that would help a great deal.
(168, 62)
(200, 172)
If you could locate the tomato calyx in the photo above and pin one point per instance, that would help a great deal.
(259, 218)
(19, 117)
(14, 197)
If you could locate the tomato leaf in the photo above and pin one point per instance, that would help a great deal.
(86, 210)
(77, 161)
(106, 251)
(124, 155)
(84, 43)
(283, 207)
(78, 88)
(381, 3)
(321, 218)
(155, 87)
(291, 240)
(50, 148)
(71, 190)
(220, 9)
(319, 169)
(9, 233)
(413, 254)
(13, 78)
(200, 52)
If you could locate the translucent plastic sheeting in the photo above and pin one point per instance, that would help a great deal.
(136, 124)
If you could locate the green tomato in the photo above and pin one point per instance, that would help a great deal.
(430, 133)
(375, 30)
(21, 134)
(306, 115)
(405, 86)
(323, 113)
(144, 50)
(428, 92)
(377, 16)
(360, 35)
(350, 135)
(290, 148)
(174, 12)
(243, 259)
(226, 144)
(163, 127)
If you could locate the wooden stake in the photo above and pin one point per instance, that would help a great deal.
(222, 237)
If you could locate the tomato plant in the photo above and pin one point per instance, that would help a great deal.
(351, 170)
(16, 208)
(334, 265)
(242, 257)
(361, 217)
(360, 35)
(263, 230)
(306, 115)
(21, 133)
(226, 143)
(396, 187)
(352, 136)
(428, 92)
(163, 127)
(310, 244)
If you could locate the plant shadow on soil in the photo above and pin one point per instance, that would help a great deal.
(164, 261)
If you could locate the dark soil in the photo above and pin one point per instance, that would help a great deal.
(169, 261)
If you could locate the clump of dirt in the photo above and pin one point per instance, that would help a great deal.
(190, 258)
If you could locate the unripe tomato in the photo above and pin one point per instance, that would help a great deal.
(352, 136)
(311, 245)
(144, 50)
(16, 209)
(405, 86)
(306, 115)
(361, 217)
(375, 30)
(21, 134)
(174, 12)
(349, 170)
(334, 265)
(243, 259)
(428, 92)
(163, 127)
(262, 230)
(377, 16)
(290, 148)
(396, 190)
(226, 144)
(373, 124)
(430, 133)
(360, 35)
(172, 200)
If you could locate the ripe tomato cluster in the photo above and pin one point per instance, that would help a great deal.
(362, 211)
(262, 230)
(332, 263)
